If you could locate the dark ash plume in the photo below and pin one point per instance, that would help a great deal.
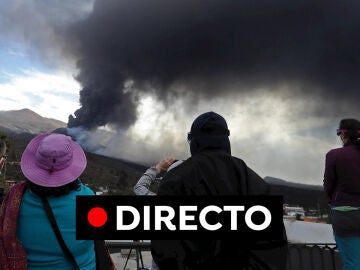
(206, 45)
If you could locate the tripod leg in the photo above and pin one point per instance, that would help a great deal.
(127, 259)
(141, 259)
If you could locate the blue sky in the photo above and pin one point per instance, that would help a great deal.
(34, 72)
(26, 82)
(14, 59)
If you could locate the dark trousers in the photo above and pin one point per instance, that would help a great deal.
(346, 226)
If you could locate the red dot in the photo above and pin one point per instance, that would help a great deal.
(97, 217)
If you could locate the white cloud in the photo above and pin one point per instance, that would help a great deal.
(17, 53)
(265, 131)
(52, 95)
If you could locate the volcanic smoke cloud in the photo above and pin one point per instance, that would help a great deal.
(171, 48)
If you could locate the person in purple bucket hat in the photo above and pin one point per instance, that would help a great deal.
(52, 165)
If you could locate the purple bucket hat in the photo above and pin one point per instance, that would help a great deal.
(52, 160)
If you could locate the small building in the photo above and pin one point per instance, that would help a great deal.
(293, 211)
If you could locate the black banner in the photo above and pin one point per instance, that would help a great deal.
(179, 217)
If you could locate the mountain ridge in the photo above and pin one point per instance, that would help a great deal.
(26, 121)
(278, 181)
(119, 176)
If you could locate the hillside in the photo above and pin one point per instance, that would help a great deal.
(115, 175)
(307, 196)
(101, 172)
(24, 123)
(119, 176)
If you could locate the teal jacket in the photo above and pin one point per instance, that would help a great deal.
(35, 233)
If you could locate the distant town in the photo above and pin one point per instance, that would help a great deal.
(291, 212)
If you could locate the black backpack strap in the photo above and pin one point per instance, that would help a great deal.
(57, 232)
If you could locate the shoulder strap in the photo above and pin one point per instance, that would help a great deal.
(57, 232)
(12, 253)
(10, 208)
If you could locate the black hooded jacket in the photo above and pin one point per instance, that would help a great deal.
(215, 172)
(212, 171)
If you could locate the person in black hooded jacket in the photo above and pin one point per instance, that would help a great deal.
(211, 170)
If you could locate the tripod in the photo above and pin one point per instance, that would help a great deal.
(139, 259)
